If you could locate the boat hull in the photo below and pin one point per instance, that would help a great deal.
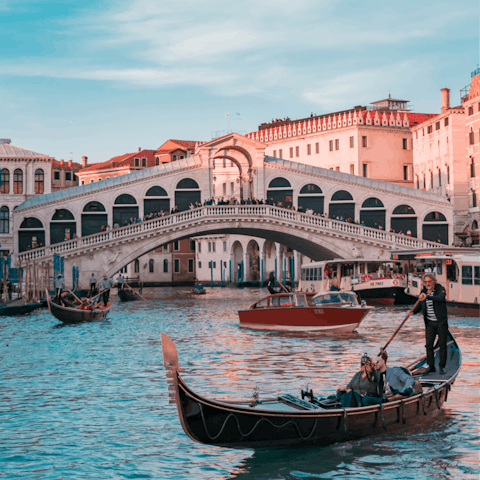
(10, 311)
(126, 295)
(303, 318)
(384, 296)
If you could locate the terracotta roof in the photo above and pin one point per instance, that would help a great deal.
(117, 161)
(413, 118)
(58, 164)
(171, 145)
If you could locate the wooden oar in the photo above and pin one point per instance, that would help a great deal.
(74, 295)
(134, 291)
(98, 294)
(398, 329)
(284, 287)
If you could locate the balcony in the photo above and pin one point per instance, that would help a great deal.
(464, 93)
(475, 72)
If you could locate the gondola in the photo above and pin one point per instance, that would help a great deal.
(18, 307)
(76, 315)
(291, 421)
(274, 290)
(127, 295)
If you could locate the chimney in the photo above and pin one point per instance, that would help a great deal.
(84, 162)
(62, 163)
(445, 99)
(139, 149)
(70, 163)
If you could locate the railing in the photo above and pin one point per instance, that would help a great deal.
(232, 212)
(475, 72)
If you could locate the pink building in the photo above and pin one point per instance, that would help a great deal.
(446, 158)
(374, 142)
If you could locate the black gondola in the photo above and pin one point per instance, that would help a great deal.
(127, 295)
(286, 420)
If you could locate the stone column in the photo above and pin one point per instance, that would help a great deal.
(232, 268)
(279, 256)
(246, 267)
(297, 259)
(262, 267)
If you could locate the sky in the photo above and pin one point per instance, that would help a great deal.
(103, 78)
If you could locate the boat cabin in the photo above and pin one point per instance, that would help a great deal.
(293, 299)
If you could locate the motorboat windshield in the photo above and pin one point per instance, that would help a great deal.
(345, 298)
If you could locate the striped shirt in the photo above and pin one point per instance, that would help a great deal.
(430, 311)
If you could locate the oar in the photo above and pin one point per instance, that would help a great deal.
(284, 287)
(398, 329)
(74, 295)
(134, 291)
(98, 294)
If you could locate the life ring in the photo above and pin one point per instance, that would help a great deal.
(366, 277)
(395, 282)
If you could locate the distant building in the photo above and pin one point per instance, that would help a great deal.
(373, 142)
(173, 150)
(24, 174)
(446, 159)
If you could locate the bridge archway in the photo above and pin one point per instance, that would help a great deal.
(435, 228)
(342, 205)
(372, 213)
(404, 219)
(187, 192)
(31, 234)
(311, 197)
(125, 209)
(280, 191)
(156, 200)
(94, 217)
(62, 226)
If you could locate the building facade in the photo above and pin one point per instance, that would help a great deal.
(374, 142)
(446, 158)
(25, 174)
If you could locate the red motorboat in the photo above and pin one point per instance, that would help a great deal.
(305, 311)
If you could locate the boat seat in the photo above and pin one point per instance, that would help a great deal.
(332, 403)
(296, 402)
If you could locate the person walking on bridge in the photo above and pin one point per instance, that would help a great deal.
(106, 284)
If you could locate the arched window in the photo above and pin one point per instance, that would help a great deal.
(435, 217)
(39, 181)
(94, 217)
(186, 184)
(31, 222)
(5, 188)
(18, 181)
(341, 195)
(372, 203)
(156, 192)
(125, 199)
(165, 266)
(136, 266)
(472, 168)
(310, 189)
(403, 210)
(279, 183)
(4, 218)
(151, 265)
(94, 207)
(63, 215)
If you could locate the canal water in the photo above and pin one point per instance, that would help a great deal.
(90, 401)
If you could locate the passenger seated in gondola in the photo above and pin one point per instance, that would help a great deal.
(394, 380)
(362, 390)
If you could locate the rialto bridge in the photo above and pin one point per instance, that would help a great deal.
(77, 222)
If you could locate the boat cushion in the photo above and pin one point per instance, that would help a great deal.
(297, 402)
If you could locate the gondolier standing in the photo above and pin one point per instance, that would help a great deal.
(434, 308)
(120, 282)
(93, 285)
(59, 284)
(106, 284)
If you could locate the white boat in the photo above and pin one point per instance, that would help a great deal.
(457, 269)
(378, 282)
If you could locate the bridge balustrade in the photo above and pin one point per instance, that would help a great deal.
(225, 211)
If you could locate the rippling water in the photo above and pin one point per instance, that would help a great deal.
(90, 401)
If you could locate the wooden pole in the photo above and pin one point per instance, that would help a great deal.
(398, 329)
(134, 291)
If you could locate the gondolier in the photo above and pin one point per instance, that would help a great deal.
(120, 282)
(106, 284)
(93, 285)
(434, 308)
(59, 284)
